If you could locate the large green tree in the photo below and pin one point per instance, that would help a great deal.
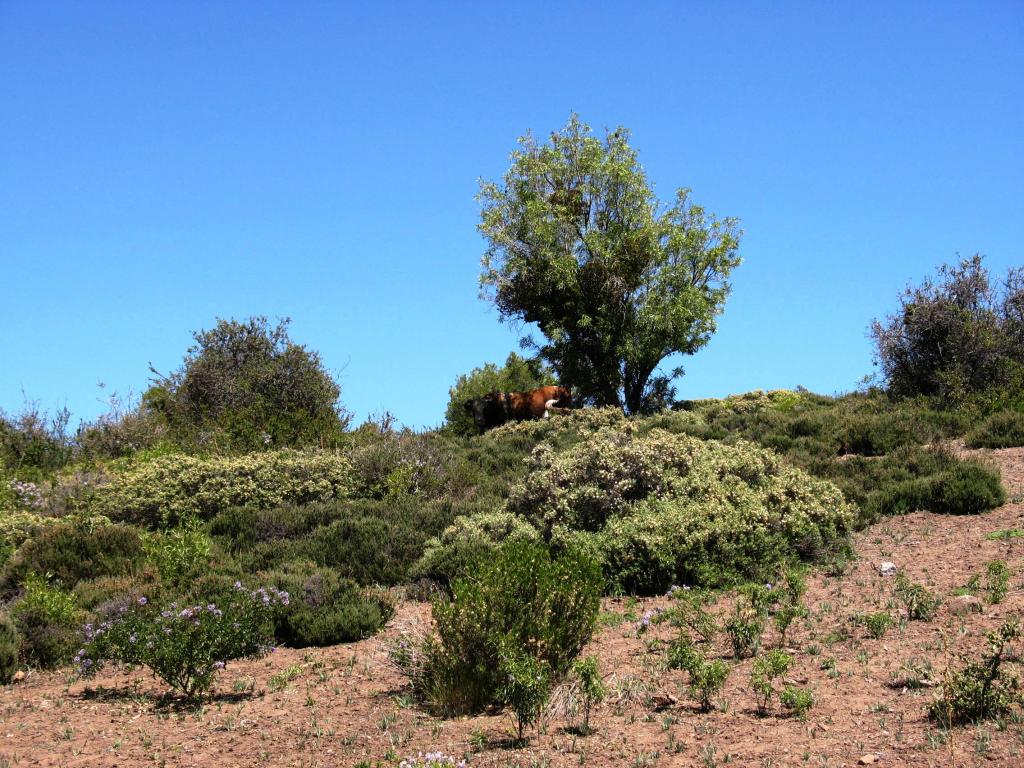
(615, 280)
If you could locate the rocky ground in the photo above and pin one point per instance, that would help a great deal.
(346, 705)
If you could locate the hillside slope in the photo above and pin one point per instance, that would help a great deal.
(343, 705)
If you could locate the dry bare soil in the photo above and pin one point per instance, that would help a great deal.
(344, 705)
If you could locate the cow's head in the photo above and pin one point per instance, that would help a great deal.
(487, 411)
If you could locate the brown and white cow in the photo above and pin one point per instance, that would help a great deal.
(497, 408)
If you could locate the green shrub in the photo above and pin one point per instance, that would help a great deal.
(170, 489)
(467, 540)
(1000, 430)
(9, 650)
(70, 553)
(325, 609)
(591, 687)
(525, 683)
(707, 678)
(745, 625)
(980, 690)
(690, 614)
(94, 594)
(877, 623)
(797, 700)
(967, 489)
(545, 607)
(33, 444)
(775, 663)
(997, 581)
(788, 598)
(371, 541)
(919, 603)
(245, 386)
(47, 619)
(874, 435)
(179, 554)
(185, 647)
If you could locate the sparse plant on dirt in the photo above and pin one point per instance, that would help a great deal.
(877, 624)
(431, 760)
(707, 678)
(525, 686)
(790, 607)
(746, 623)
(980, 690)
(766, 669)
(997, 581)
(919, 603)
(689, 613)
(592, 689)
(797, 700)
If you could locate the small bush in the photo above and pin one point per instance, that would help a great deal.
(997, 581)
(8, 649)
(877, 623)
(745, 625)
(325, 609)
(766, 668)
(967, 489)
(545, 607)
(246, 386)
(690, 614)
(591, 687)
(980, 690)
(70, 553)
(526, 684)
(790, 606)
(47, 619)
(797, 700)
(918, 601)
(168, 490)
(185, 647)
(1000, 430)
(707, 678)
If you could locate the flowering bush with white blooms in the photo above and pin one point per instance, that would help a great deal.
(169, 489)
(656, 507)
(432, 760)
(185, 646)
(27, 495)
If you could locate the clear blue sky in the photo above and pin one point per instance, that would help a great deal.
(164, 164)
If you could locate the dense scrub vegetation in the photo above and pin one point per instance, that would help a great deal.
(213, 483)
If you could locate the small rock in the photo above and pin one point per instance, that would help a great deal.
(966, 604)
(18, 676)
(868, 759)
(887, 568)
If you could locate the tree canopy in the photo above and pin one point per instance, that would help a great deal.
(614, 279)
(247, 386)
(955, 336)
